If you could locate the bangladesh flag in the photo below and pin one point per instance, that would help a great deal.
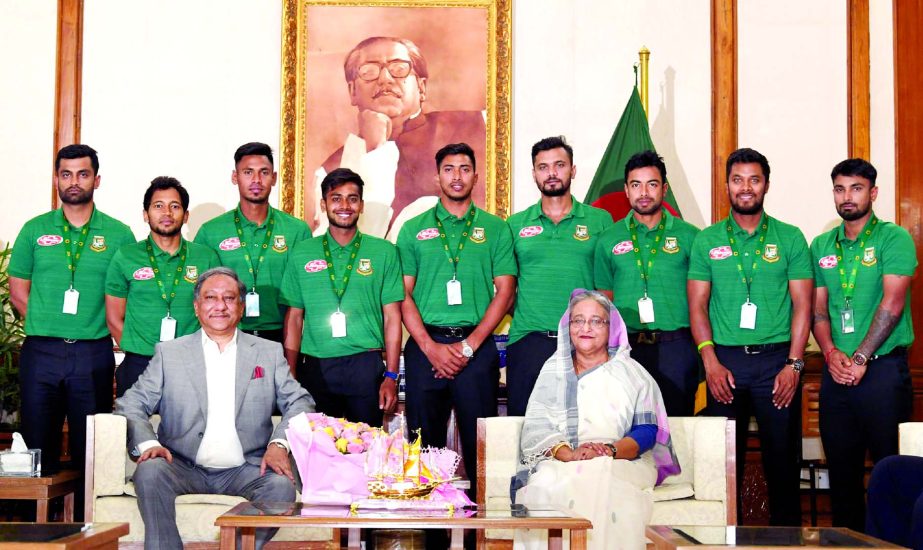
(607, 191)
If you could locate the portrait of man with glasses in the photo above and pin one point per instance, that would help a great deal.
(387, 80)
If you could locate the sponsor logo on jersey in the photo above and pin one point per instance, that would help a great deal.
(623, 247)
(828, 262)
(720, 252)
(427, 234)
(49, 240)
(315, 265)
(143, 274)
(231, 243)
(530, 231)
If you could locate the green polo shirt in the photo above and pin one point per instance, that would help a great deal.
(553, 260)
(783, 257)
(39, 256)
(220, 234)
(488, 253)
(889, 250)
(616, 269)
(131, 276)
(375, 281)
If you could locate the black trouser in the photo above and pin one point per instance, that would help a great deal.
(671, 359)
(345, 387)
(856, 419)
(779, 429)
(129, 370)
(473, 393)
(274, 334)
(524, 360)
(64, 378)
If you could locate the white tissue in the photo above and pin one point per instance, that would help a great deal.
(19, 444)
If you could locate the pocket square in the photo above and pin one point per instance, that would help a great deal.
(257, 372)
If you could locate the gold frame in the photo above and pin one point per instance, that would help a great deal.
(497, 168)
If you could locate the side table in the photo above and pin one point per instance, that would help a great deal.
(41, 490)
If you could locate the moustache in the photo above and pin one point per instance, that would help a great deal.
(391, 91)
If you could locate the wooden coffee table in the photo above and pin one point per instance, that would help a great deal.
(779, 538)
(249, 516)
(62, 536)
(41, 490)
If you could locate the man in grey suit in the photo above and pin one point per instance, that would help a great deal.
(215, 391)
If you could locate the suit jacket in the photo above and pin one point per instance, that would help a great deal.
(173, 385)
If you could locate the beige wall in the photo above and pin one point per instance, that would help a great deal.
(165, 94)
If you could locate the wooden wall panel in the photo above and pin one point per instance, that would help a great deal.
(723, 99)
(908, 153)
(857, 83)
(68, 78)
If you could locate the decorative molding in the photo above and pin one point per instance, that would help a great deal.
(723, 99)
(68, 78)
(858, 79)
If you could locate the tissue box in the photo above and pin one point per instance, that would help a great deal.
(21, 464)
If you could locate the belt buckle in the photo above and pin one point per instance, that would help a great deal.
(551, 333)
(647, 338)
(455, 332)
(70, 340)
(753, 350)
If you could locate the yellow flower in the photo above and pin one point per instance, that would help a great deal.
(341, 445)
(329, 431)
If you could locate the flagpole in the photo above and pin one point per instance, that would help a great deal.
(644, 55)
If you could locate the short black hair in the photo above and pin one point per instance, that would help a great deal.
(554, 142)
(339, 177)
(855, 167)
(645, 159)
(253, 148)
(77, 151)
(166, 182)
(746, 156)
(455, 149)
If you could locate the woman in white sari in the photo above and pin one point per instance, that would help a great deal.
(595, 439)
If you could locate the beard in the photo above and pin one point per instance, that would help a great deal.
(556, 191)
(82, 197)
(166, 232)
(652, 209)
(756, 208)
(343, 224)
(855, 214)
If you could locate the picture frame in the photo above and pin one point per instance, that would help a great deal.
(466, 92)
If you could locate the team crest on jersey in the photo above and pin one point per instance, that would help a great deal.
(720, 252)
(315, 265)
(49, 240)
(231, 243)
(98, 244)
(670, 245)
(771, 253)
(192, 274)
(365, 267)
(530, 231)
(868, 258)
(278, 243)
(581, 233)
(477, 235)
(143, 274)
(427, 234)
(623, 247)
(828, 262)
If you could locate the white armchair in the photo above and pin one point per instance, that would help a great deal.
(910, 438)
(111, 497)
(703, 494)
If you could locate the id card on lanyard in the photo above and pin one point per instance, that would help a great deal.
(71, 295)
(847, 317)
(453, 290)
(168, 323)
(252, 300)
(338, 318)
(645, 304)
(748, 308)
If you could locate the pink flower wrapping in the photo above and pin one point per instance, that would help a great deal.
(327, 475)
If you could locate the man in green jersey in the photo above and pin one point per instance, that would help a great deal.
(641, 265)
(254, 240)
(553, 241)
(57, 275)
(862, 323)
(750, 290)
(352, 283)
(149, 283)
(453, 256)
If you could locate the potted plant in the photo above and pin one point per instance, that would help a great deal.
(11, 338)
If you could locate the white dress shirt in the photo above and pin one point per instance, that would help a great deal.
(220, 447)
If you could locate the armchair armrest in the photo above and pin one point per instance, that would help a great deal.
(110, 434)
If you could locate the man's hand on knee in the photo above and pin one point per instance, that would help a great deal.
(155, 452)
(276, 458)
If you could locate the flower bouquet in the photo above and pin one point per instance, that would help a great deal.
(350, 463)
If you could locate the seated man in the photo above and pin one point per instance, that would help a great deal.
(215, 391)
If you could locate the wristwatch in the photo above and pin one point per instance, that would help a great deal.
(796, 363)
(467, 350)
(277, 444)
(859, 358)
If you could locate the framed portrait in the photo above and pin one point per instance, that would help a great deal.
(378, 86)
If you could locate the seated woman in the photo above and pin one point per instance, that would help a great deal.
(595, 438)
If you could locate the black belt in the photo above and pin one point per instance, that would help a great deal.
(545, 333)
(56, 340)
(266, 333)
(896, 352)
(658, 336)
(449, 332)
(756, 349)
